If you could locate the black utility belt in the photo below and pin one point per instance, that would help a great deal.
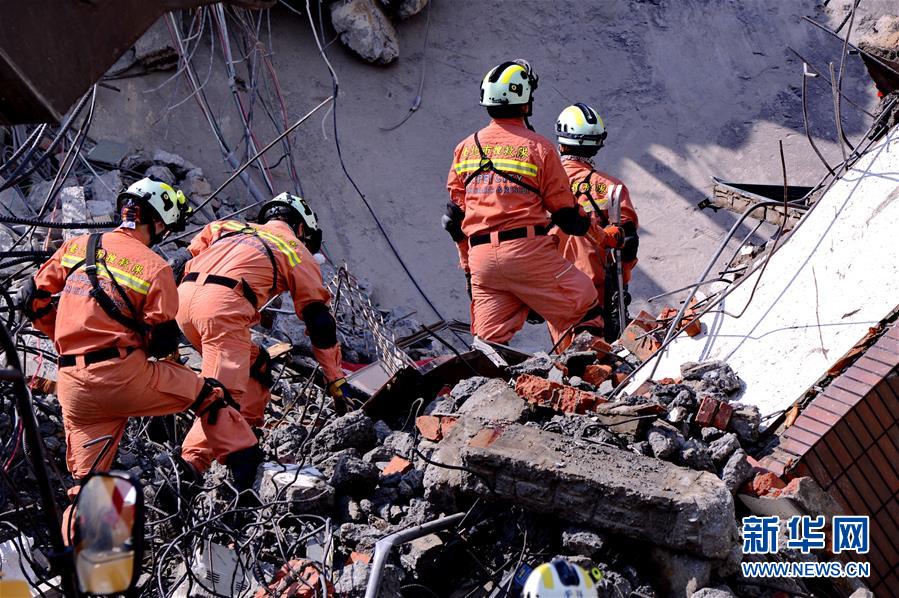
(508, 235)
(224, 281)
(67, 361)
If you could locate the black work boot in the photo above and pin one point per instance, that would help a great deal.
(243, 465)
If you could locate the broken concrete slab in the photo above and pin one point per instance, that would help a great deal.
(722, 448)
(606, 488)
(495, 401)
(353, 430)
(583, 541)
(74, 209)
(305, 488)
(539, 364)
(679, 575)
(365, 30)
(737, 470)
(721, 591)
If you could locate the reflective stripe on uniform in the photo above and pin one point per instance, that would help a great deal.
(138, 285)
(293, 258)
(516, 166)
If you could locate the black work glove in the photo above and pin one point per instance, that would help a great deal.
(177, 263)
(468, 285)
(452, 222)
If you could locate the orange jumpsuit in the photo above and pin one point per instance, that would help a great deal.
(97, 399)
(511, 277)
(590, 253)
(217, 319)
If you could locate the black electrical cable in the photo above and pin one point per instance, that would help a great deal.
(26, 253)
(352, 182)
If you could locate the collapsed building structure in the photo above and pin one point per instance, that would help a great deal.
(466, 468)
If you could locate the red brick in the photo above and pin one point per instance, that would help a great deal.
(722, 417)
(397, 465)
(446, 424)
(856, 503)
(793, 446)
(880, 548)
(706, 412)
(871, 365)
(892, 331)
(864, 488)
(842, 457)
(485, 437)
(803, 436)
(601, 346)
(860, 375)
(820, 415)
(777, 462)
(859, 429)
(429, 426)
(889, 448)
(878, 402)
(887, 469)
(765, 483)
(618, 377)
(875, 480)
(893, 382)
(844, 432)
(888, 344)
(359, 557)
(818, 470)
(571, 400)
(837, 495)
(804, 422)
(853, 386)
(597, 374)
(843, 396)
(890, 529)
(534, 389)
(871, 422)
(837, 408)
(885, 357)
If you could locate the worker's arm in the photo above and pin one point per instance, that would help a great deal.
(203, 239)
(455, 184)
(160, 308)
(558, 199)
(38, 301)
(630, 241)
(310, 300)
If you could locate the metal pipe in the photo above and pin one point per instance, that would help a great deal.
(385, 545)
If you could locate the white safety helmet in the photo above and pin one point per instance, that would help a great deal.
(579, 124)
(170, 204)
(559, 579)
(297, 211)
(296, 207)
(509, 84)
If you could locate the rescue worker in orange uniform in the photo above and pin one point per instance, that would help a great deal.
(235, 270)
(116, 310)
(507, 187)
(581, 134)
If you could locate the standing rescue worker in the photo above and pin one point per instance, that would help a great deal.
(235, 270)
(507, 187)
(117, 307)
(581, 133)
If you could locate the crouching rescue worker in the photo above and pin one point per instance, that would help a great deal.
(507, 187)
(581, 134)
(235, 270)
(117, 307)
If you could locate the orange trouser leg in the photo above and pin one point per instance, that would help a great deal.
(217, 323)
(98, 399)
(331, 362)
(512, 277)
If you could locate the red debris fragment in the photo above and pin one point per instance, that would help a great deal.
(713, 412)
(722, 417)
(596, 374)
(397, 465)
(765, 484)
(429, 427)
(358, 557)
(561, 397)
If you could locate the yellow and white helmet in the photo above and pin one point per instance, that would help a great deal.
(170, 204)
(509, 84)
(579, 124)
(559, 579)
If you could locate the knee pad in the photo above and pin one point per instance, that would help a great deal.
(207, 402)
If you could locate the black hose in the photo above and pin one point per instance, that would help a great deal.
(32, 253)
(61, 225)
(20, 260)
